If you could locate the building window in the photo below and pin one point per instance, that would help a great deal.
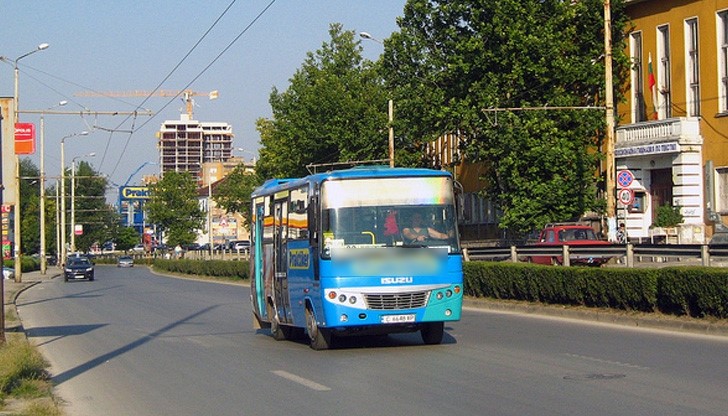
(723, 61)
(638, 95)
(721, 182)
(664, 100)
(692, 67)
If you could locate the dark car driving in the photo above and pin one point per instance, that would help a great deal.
(78, 268)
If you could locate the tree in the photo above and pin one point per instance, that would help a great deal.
(29, 207)
(126, 238)
(335, 109)
(233, 193)
(173, 207)
(454, 63)
(98, 219)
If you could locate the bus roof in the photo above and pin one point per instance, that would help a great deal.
(273, 185)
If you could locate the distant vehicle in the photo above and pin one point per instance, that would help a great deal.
(240, 245)
(8, 273)
(78, 267)
(571, 234)
(125, 261)
(139, 248)
(192, 247)
(108, 246)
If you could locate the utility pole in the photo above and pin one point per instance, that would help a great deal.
(609, 139)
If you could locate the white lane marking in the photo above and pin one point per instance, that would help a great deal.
(300, 380)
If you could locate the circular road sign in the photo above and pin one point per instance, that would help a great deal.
(624, 178)
(625, 196)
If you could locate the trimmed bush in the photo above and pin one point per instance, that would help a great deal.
(694, 291)
(212, 268)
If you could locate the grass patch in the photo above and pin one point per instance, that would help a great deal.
(22, 370)
(41, 409)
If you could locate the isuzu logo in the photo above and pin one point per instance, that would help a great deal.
(396, 280)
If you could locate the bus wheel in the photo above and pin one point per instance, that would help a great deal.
(432, 332)
(320, 338)
(278, 331)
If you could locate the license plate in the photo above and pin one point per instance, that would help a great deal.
(397, 319)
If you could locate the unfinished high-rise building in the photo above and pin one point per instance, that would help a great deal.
(185, 144)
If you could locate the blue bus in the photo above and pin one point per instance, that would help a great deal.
(366, 250)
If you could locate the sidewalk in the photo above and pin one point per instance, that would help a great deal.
(13, 326)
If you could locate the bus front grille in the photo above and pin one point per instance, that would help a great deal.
(385, 301)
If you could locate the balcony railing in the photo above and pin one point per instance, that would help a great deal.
(683, 130)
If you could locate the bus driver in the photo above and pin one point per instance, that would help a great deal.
(419, 232)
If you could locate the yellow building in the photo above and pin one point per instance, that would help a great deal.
(673, 130)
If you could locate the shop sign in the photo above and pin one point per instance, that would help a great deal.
(647, 149)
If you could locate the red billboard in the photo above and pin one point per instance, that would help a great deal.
(24, 138)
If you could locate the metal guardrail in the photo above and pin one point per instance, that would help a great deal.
(629, 252)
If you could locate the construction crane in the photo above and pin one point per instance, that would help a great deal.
(186, 95)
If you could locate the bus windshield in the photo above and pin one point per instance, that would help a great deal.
(396, 212)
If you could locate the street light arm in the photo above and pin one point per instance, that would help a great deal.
(137, 171)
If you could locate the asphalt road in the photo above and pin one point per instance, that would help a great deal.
(134, 343)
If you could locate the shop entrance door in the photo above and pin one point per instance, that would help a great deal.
(660, 188)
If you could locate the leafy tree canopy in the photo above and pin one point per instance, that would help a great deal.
(335, 109)
(454, 62)
(173, 207)
(99, 219)
(233, 193)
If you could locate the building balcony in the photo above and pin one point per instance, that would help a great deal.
(681, 131)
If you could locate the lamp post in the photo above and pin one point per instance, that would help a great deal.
(62, 248)
(240, 149)
(609, 140)
(73, 199)
(43, 262)
(390, 104)
(16, 214)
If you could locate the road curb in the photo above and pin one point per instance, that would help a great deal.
(713, 327)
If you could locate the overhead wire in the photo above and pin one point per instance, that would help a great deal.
(159, 85)
(262, 12)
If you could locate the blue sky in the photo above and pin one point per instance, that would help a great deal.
(134, 45)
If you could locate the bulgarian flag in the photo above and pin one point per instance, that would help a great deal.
(653, 85)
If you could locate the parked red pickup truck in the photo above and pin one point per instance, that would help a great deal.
(571, 234)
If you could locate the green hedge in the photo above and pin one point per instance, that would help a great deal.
(693, 291)
(213, 268)
(27, 264)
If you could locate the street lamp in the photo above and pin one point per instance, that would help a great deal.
(240, 149)
(390, 104)
(43, 263)
(16, 214)
(366, 35)
(62, 248)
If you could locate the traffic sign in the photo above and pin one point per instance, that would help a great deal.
(624, 179)
(625, 196)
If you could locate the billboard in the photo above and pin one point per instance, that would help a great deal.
(24, 138)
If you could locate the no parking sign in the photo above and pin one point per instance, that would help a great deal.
(624, 179)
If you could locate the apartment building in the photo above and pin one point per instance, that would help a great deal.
(185, 144)
(673, 130)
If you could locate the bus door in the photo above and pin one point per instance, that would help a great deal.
(280, 243)
(257, 256)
